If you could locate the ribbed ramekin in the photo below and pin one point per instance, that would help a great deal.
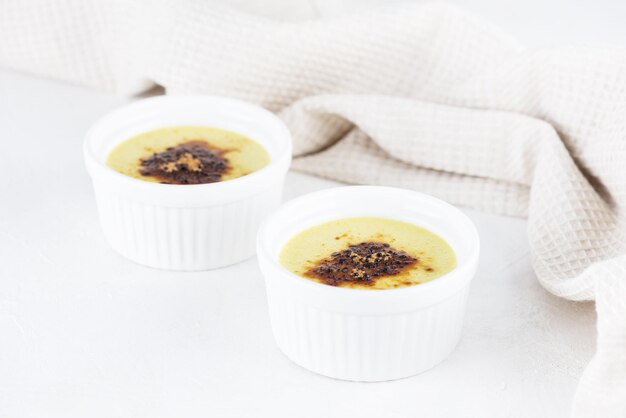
(362, 334)
(186, 227)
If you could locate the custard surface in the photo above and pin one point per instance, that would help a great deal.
(243, 155)
(307, 250)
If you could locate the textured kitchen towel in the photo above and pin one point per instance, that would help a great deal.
(417, 96)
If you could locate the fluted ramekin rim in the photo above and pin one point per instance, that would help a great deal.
(249, 184)
(462, 273)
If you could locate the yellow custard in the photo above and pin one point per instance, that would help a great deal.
(368, 253)
(188, 155)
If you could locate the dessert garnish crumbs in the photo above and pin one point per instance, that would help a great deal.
(361, 263)
(191, 162)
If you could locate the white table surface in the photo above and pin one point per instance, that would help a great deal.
(86, 333)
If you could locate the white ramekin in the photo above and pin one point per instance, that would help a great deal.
(186, 227)
(367, 335)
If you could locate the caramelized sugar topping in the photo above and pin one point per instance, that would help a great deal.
(192, 162)
(361, 263)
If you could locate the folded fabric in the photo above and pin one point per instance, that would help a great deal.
(417, 96)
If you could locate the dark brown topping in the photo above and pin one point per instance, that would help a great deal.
(361, 263)
(192, 162)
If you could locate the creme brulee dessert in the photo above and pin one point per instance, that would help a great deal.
(370, 253)
(188, 155)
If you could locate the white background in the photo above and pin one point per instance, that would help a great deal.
(538, 23)
(86, 333)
